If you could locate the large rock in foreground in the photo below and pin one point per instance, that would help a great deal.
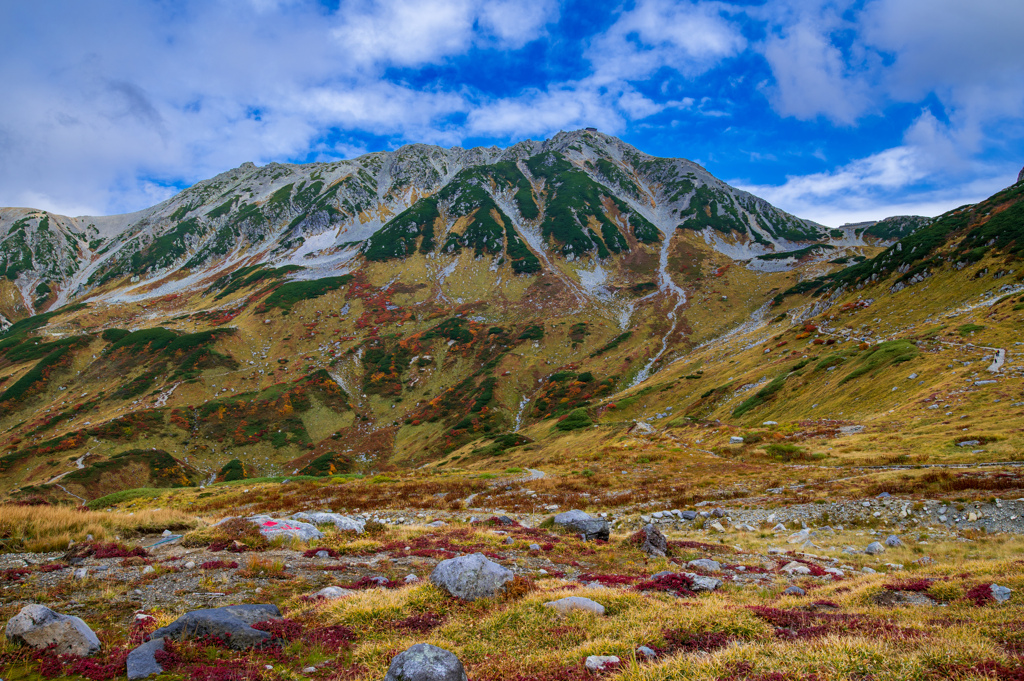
(39, 627)
(583, 523)
(424, 662)
(230, 623)
(471, 577)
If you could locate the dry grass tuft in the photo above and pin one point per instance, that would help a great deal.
(52, 528)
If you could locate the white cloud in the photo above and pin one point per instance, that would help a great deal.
(811, 77)
(687, 37)
(913, 178)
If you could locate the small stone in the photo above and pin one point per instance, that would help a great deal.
(796, 568)
(868, 571)
(705, 564)
(149, 569)
(1000, 593)
(646, 653)
(322, 554)
(874, 548)
(309, 670)
(189, 565)
(893, 542)
(598, 663)
(798, 537)
(583, 523)
(424, 662)
(331, 593)
(411, 579)
(232, 622)
(166, 533)
(80, 573)
(717, 527)
(794, 590)
(567, 605)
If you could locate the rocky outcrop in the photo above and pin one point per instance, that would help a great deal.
(39, 627)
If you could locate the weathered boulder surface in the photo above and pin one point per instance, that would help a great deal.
(424, 662)
(142, 660)
(39, 627)
(471, 577)
(341, 522)
(272, 528)
(583, 523)
(567, 605)
(231, 623)
(654, 542)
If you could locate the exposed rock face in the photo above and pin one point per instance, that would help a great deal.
(142, 661)
(424, 662)
(583, 523)
(654, 542)
(232, 623)
(1020, 175)
(39, 627)
(471, 577)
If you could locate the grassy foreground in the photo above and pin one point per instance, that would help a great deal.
(858, 626)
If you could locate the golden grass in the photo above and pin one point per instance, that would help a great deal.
(51, 528)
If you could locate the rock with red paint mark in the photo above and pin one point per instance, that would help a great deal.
(271, 528)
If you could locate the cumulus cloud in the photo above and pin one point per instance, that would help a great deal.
(687, 37)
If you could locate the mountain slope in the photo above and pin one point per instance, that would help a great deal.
(385, 311)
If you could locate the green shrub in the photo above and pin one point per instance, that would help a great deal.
(576, 419)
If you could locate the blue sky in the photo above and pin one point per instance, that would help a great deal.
(835, 110)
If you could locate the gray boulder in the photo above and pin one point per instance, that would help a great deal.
(702, 583)
(688, 515)
(893, 542)
(271, 528)
(654, 542)
(332, 593)
(794, 590)
(567, 605)
(471, 577)
(341, 522)
(705, 564)
(142, 661)
(1000, 593)
(874, 548)
(424, 662)
(583, 523)
(600, 663)
(39, 627)
(231, 623)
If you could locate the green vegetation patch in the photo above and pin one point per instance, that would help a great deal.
(286, 295)
(882, 355)
(575, 420)
(761, 396)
